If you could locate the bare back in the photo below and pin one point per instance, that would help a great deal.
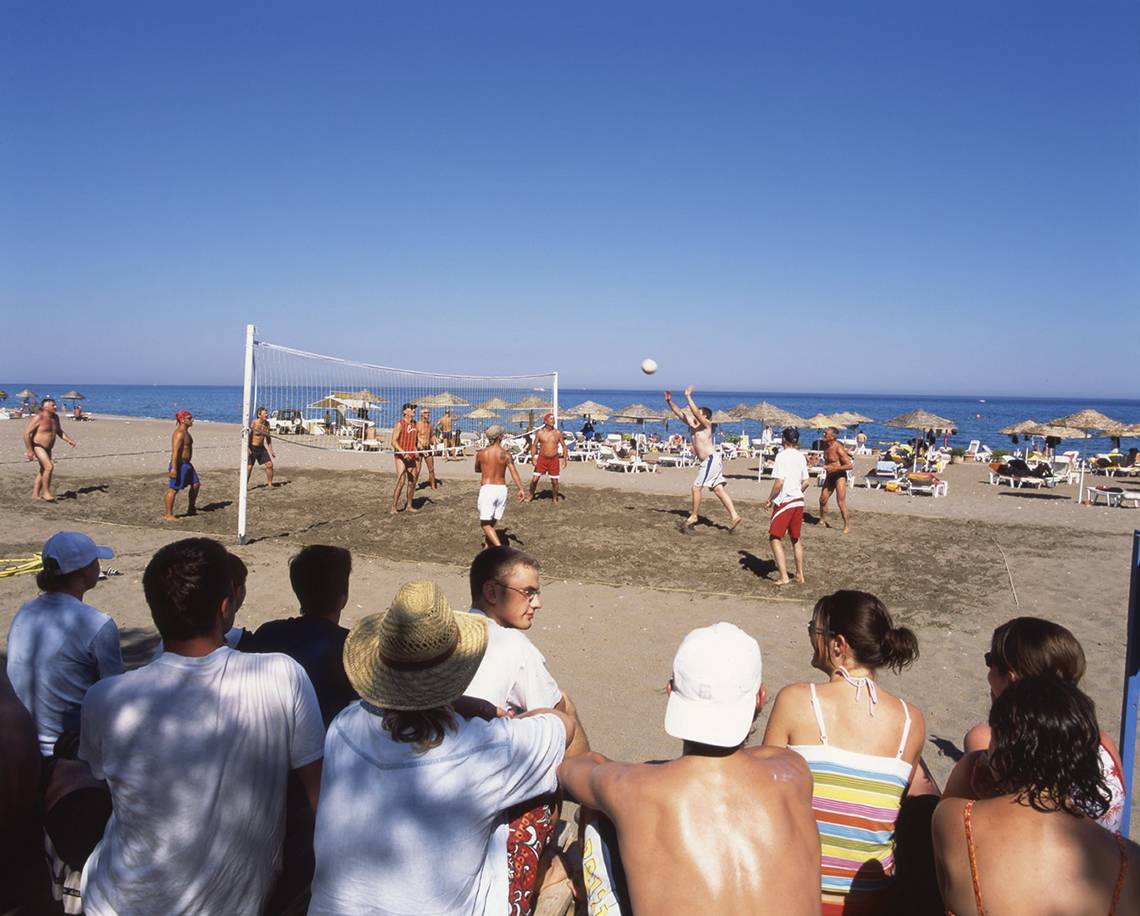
(1048, 864)
(732, 835)
(492, 463)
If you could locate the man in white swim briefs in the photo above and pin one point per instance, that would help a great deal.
(710, 472)
(492, 464)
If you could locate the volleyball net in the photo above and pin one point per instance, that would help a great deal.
(328, 402)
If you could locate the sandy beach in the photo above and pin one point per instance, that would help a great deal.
(622, 582)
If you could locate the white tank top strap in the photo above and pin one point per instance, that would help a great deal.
(906, 728)
(818, 715)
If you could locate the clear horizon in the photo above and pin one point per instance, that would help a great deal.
(759, 197)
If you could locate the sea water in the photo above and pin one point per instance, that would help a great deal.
(975, 417)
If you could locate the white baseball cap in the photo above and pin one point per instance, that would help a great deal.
(72, 550)
(716, 677)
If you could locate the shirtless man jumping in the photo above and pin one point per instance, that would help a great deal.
(710, 474)
(492, 464)
(261, 446)
(39, 440)
(544, 453)
(722, 829)
(425, 442)
(182, 473)
(836, 463)
(404, 439)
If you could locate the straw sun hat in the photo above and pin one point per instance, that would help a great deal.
(419, 654)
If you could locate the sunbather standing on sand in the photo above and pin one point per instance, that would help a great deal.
(710, 474)
(545, 455)
(836, 463)
(445, 426)
(492, 463)
(39, 440)
(182, 473)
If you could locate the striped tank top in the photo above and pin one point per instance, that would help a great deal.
(856, 798)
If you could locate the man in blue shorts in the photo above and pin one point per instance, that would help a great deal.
(182, 473)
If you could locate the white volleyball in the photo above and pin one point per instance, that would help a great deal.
(649, 366)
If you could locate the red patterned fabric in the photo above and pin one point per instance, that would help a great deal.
(532, 831)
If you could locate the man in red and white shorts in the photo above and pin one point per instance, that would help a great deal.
(545, 455)
(789, 480)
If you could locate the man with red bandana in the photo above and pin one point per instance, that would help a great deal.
(545, 455)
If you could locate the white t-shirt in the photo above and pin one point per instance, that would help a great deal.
(790, 467)
(400, 833)
(57, 648)
(513, 672)
(196, 752)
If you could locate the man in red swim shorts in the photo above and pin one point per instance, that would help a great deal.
(544, 453)
(789, 479)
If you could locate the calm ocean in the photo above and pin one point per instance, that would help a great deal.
(975, 418)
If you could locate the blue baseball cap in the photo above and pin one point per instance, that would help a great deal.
(72, 550)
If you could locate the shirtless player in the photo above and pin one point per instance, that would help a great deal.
(836, 463)
(445, 424)
(39, 440)
(710, 474)
(723, 829)
(404, 439)
(425, 442)
(261, 446)
(544, 453)
(492, 463)
(182, 473)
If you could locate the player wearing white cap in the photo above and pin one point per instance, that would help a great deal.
(721, 829)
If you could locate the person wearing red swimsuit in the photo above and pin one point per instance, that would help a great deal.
(404, 439)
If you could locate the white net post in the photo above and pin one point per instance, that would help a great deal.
(243, 473)
(554, 398)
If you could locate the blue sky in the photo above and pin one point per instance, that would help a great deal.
(845, 197)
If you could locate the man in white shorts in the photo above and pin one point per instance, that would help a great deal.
(710, 473)
(492, 463)
(789, 480)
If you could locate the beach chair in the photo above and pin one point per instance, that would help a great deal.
(926, 485)
(883, 473)
(1063, 470)
(639, 465)
(603, 455)
(978, 452)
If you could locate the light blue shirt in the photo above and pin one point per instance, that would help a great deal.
(57, 648)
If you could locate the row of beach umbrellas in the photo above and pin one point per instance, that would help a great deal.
(26, 394)
(1079, 425)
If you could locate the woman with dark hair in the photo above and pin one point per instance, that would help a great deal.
(860, 742)
(1032, 647)
(1034, 844)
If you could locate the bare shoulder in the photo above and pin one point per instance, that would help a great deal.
(792, 693)
(948, 816)
(785, 765)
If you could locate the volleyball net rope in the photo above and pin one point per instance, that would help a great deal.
(329, 402)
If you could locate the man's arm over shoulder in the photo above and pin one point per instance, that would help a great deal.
(596, 781)
(538, 742)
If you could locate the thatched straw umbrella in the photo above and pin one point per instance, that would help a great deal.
(444, 399)
(483, 414)
(1053, 434)
(740, 411)
(3, 395)
(1014, 430)
(922, 420)
(591, 409)
(1088, 419)
(26, 396)
(854, 418)
(493, 404)
(532, 402)
(823, 421)
(1123, 431)
(721, 416)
